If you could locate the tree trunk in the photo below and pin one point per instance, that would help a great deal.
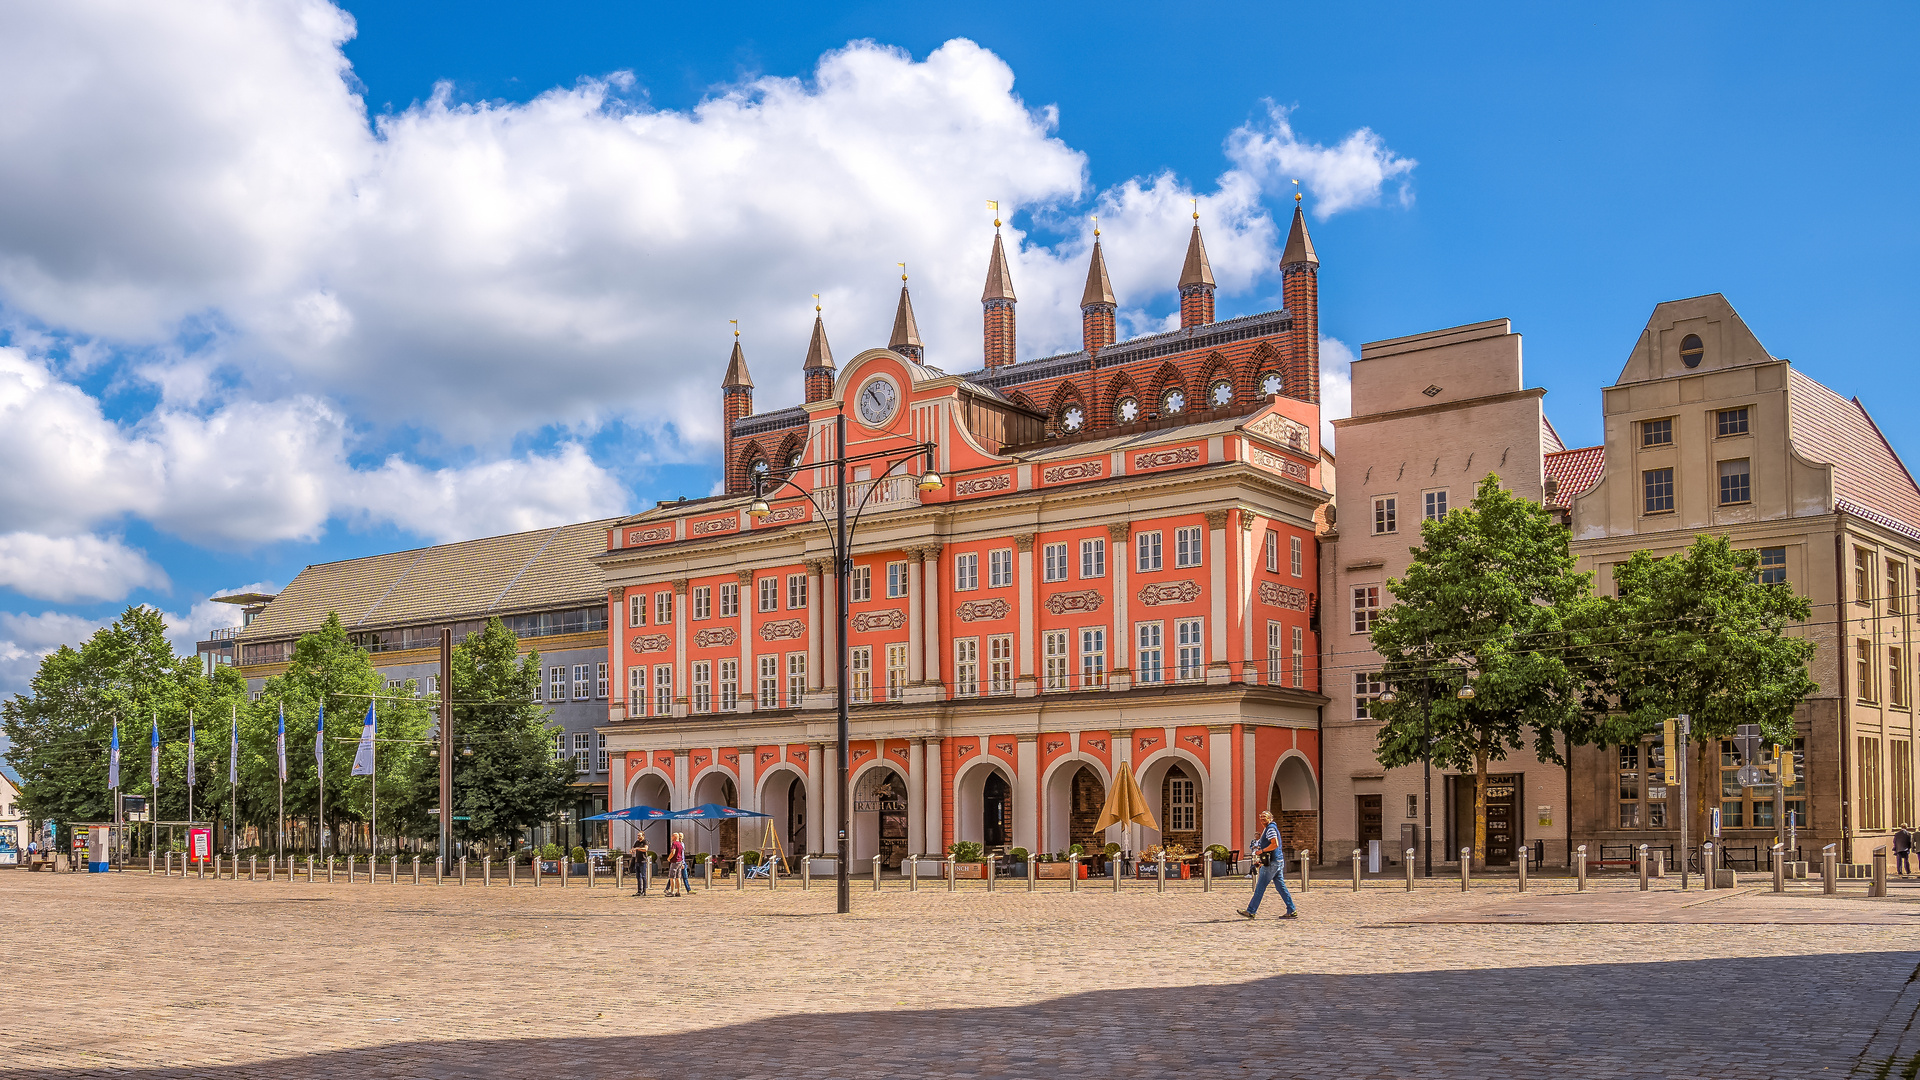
(1480, 807)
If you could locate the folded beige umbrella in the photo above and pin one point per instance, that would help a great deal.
(1125, 803)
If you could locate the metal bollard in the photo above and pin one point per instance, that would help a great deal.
(806, 873)
(1114, 865)
(1306, 871)
(1829, 870)
(1466, 866)
(590, 870)
(1033, 872)
(1779, 868)
(1706, 865)
(913, 872)
(739, 872)
(876, 872)
(486, 871)
(150, 860)
(350, 859)
(1161, 860)
(416, 868)
(310, 863)
(393, 869)
(169, 864)
(1525, 853)
(200, 868)
(253, 868)
(270, 862)
(463, 871)
(1356, 869)
(533, 864)
(1580, 868)
(513, 865)
(950, 874)
(1206, 871)
(1073, 873)
(773, 873)
(1408, 863)
(989, 873)
(1879, 885)
(1643, 868)
(1660, 865)
(566, 869)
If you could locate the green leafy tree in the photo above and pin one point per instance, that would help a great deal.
(512, 779)
(1488, 595)
(1696, 633)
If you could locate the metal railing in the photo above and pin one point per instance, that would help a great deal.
(887, 493)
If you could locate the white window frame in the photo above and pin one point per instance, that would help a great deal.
(1000, 664)
(1295, 559)
(1274, 660)
(1433, 504)
(1299, 657)
(1181, 808)
(663, 608)
(1146, 551)
(582, 689)
(600, 753)
(769, 593)
(637, 610)
(896, 580)
(701, 699)
(966, 571)
(1057, 658)
(1000, 568)
(1365, 607)
(1190, 649)
(582, 752)
(966, 666)
(1093, 657)
(1149, 653)
(860, 673)
(729, 685)
(896, 670)
(770, 681)
(796, 591)
(860, 585)
(702, 603)
(663, 689)
(1053, 562)
(1386, 515)
(637, 690)
(600, 681)
(1273, 551)
(796, 679)
(1093, 558)
(730, 600)
(556, 683)
(1366, 689)
(1188, 542)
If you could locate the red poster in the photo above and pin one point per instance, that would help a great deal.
(199, 845)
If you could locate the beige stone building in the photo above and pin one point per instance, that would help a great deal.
(1706, 431)
(1433, 414)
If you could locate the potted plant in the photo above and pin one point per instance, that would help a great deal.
(579, 867)
(1016, 864)
(969, 859)
(1111, 852)
(1222, 864)
(1149, 864)
(550, 857)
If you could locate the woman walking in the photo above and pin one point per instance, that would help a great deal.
(677, 865)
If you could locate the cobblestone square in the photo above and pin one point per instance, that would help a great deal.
(129, 976)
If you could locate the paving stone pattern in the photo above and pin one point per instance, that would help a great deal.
(128, 976)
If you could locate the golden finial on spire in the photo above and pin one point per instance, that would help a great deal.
(816, 303)
(1196, 208)
(736, 326)
(1296, 193)
(994, 206)
(903, 270)
(1096, 225)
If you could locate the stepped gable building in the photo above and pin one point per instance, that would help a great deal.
(1119, 568)
(543, 584)
(1708, 432)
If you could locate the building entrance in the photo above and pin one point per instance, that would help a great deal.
(880, 816)
(1505, 830)
(996, 812)
(1369, 816)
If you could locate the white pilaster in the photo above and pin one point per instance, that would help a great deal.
(1218, 669)
(930, 612)
(1120, 558)
(936, 799)
(814, 627)
(816, 799)
(830, 797)
(916, 794)
(681, 685)
(916, 631)
(1251, 663)
(1026, 798)
(749, 674)
(1026, 644)
(1218, 827)
(681, 784)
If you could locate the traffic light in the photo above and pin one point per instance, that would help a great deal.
(1784, 766)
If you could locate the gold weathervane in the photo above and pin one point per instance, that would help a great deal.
(1096, 225)
(903, 270)
(1296, 194)
(1196, 208)
(736, 326)
(993, 205)
(816, 303)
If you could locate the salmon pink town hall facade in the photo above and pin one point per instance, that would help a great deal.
(1120, 567)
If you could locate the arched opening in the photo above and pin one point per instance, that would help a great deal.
(880, 816)
(720, 839)
(783, 798)
(983, 806)
(651, 790)
(1175, 791)
(1294, 802)
(1074, 797)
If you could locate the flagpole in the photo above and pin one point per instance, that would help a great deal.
(116, 781)
(233, 787)
(280, 817)
(320, 764)
(373, 778)
(153, 781)
(192, 743)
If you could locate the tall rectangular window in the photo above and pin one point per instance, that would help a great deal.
(1736, 481)
(582, 752)
(1436, 505)
(796, 679)
(600, 681)
(1276, 654)
(1871, 794)
(896, 580)
(796, 591)
(1863, 672)
(1900, 779)
(860, 668)
(1180, 805)
(1149, 643)
(1896, 676)
(1630, 788)
(1093, 657)
(600, 754)
(729, 685)
(1186, 546)
(1896, 587)
(1272, 549)
(1053, 562)
(896, 671)
(637, 690)
(1773, 566)
(770, 593)
(556, 684)
(1367, 688)
(966, 666)
(663, 690)
(1299, 657)
(581, 686)
(1731, 422)
(1862, 576)
(1295, 562)
(770, 682)
(637, 609)
(662, 608)
(999, 568)
(1146, 549)
(966, 571)
(1386, 515)
(1657, 489)
(1656, 432)
(1366, 608)
(1190, 655)
(730, 601)
(1093, 558)
(702, 602)
(1056, 660)
(1000, 663)
(860, 585)
(1733, 813)
(702, 686)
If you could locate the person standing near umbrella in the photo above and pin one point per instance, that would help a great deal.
(1273, 868)
(642, 862)
(676, 865)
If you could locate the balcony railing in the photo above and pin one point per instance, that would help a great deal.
(889, 493)
(225, 633)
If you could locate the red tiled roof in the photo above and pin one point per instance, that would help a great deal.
(1866, 472)
(1573, 471)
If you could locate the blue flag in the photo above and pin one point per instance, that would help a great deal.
(320, 738)
(233, 750)
(113, 758)
(193, 742)
(363, 755)
(153, 765)
(280, 742)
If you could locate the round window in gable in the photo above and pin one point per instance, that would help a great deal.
(1174, 402)
(1071, 419)
(759, 466)
(1127, 409)
(1271, 384)
(1691, 350)
(793, 461)
(1220, 394)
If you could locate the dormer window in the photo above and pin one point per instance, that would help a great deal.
(1691, 350)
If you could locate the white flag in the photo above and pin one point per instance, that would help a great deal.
(280, 742)
(233, 750)
(363, 755)
(193, 742)
(113, 759)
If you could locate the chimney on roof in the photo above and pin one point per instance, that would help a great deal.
(1196, 282)
(997, 299)
(1096, 303)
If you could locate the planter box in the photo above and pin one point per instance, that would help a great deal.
(1725, 879)
(1058, 871)
(1175, 871)
(974, 871)
(823, 867)
(1222, 869)
(927, 867)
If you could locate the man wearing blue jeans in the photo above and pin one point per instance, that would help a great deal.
(1273, 868)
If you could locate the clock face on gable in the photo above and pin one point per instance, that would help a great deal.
(877, 400)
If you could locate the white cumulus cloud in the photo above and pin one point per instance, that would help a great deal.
(64, 568)
(1355, 172)
(1336, 385)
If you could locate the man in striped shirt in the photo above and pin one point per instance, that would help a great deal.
(1273, 868)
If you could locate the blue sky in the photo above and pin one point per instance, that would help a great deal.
(250, 321)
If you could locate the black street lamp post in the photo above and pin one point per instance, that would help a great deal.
(843, 573)
(1424, 677)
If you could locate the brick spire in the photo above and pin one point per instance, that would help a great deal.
(906, 332)
(1300, 286)
(1196, 282)
(819, 371)
(998, 300)
(1096, 303)
(736, 403)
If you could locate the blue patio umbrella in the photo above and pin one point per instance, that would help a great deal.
(635, 813)
(714, 812)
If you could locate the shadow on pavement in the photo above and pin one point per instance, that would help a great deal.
(1741, 1018)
